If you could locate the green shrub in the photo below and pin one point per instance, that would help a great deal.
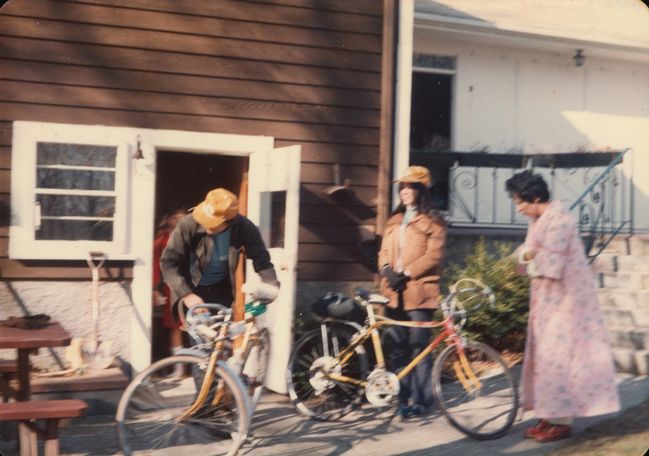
(504, 326)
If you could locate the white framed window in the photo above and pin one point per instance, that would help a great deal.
(69, 190)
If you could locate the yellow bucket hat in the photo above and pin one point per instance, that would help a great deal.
(219, 206)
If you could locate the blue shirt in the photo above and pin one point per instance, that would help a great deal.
(217, 268)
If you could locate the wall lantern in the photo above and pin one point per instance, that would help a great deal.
(579, 57)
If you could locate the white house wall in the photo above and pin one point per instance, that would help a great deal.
(533, 101)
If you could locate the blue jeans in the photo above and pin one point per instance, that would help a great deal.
(408, 343)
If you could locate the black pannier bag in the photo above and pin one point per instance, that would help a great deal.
(339, 306)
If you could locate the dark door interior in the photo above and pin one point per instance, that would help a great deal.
(182, 181)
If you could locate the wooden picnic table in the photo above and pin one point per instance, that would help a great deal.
(24, 341)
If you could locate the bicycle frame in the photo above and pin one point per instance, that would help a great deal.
(449, 334)
(215, 355)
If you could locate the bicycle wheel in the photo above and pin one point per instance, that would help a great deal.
(148, 414)
(311, 391)
(256, 365)
(478, 397)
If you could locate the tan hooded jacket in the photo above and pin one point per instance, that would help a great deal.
(421, 257)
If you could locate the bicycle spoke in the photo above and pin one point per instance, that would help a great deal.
(311, 389)
(149, 416)
(478, 393)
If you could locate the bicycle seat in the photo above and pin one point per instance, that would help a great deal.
(371, 298)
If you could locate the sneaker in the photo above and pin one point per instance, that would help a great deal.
(554, 432)
(419, 410)
(403, 412)
(538, 428)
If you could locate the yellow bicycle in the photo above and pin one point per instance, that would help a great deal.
(328, 376)
(203, 398)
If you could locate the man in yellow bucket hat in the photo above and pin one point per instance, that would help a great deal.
(201, 256)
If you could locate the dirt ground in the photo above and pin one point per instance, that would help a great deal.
(625, 435)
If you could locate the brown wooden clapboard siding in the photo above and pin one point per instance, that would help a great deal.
(5, 132)
(371, 7)
(337, 234)
(335, 215)
(251, 11)
(292, 132)
(109, 57)
(189, 44)
(87, 97)
(332, 270)
(301, 71)
(188, 26)
(366, 7)
(313, 173)
(335, 153)
(314, 194)
(164, 83)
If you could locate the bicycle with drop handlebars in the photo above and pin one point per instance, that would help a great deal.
(328, 372)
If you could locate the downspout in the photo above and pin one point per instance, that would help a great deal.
(387, 114)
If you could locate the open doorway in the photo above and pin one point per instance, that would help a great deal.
(430, 127)
(182, 181)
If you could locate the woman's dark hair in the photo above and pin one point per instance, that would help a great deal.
(423, 200)
(528, 186)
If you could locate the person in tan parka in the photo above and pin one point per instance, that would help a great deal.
(410, 264)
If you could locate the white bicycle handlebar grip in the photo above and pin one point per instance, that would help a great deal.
(261, 291)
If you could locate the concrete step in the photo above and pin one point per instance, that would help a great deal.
(631, 361)
(624, 298)
(615, 317)
(636, 338)
(633, 280)
(607, 262)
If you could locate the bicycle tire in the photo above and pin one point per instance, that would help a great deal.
(148, 412)
(333, 399)
(484, 409)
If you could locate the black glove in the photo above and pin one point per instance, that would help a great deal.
(396, 280)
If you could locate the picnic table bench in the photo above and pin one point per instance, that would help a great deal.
(51, 411)
(25, 411)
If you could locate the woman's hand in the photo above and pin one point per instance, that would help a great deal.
(396, 280)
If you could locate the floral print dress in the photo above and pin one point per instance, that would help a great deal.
(568, 369)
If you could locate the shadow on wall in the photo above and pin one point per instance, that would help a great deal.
(340, 225)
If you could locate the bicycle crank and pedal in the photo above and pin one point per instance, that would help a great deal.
(382, 387)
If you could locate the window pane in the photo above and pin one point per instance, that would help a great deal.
(75, 230)
(75, 179)
(68, 205)
(76, 155)
(278, 211)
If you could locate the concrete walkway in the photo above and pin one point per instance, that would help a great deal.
(278, 430)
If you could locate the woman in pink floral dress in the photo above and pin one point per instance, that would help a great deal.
(568, 369)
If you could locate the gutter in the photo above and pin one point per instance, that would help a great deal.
(477, 29)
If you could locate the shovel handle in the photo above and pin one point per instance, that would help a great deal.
(96, 259)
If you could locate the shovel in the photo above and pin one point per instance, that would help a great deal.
(97, 355)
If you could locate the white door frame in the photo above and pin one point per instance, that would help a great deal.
(143, 212)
